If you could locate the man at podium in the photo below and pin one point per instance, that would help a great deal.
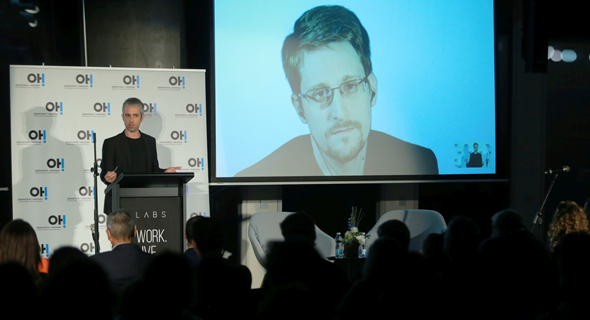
(131, 151)
(475, 159)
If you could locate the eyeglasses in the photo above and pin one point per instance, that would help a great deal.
(323, 97)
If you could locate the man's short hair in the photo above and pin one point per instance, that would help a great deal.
(506, 221)
(120, 225)
(207, 235)
(132, 102)
(299, 226)
(319, 27)
(188, 230)
(397, 230)
(462, 238)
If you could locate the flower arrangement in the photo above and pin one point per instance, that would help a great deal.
(353, 236)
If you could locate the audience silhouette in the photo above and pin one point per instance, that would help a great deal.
(397, 230)
(221, 289)
(20, 294)
(460, 274)
(78, 288)
(18, 243)
(516, 269)
(568, 217)
(126, 262)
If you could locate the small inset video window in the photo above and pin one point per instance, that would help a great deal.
(474, 154)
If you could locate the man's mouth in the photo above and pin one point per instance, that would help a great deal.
(344, 128)
(342, 131)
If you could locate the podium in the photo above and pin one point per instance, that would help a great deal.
(157, 203)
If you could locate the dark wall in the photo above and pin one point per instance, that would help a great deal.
(476, 200)
(56, 40)
(135, 33)
(553, 105)
(568, 132)
(331, 205)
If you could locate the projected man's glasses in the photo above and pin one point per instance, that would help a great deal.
(323, 97)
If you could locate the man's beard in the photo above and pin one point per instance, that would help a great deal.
(346, 148)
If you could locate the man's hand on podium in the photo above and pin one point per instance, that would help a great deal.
(110, 176)
(173, 169)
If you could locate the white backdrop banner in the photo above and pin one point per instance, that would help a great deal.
(55, 111)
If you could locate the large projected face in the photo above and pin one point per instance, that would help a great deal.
(430, 64)
(336, 99)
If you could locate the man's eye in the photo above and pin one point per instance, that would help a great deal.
(320, 94)
(350, 87)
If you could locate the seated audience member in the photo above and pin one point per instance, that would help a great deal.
(190, 253)
(18, 243)
(397, 230)
(44, 266)
(299, 226)
(394, 229)
(571, 254)
(512, 262)
(300, 281)
(434, 257)
(461, 241)
(170, 276)
(63, 257)
(571, 257)
(507, 222)
(433, 247)
(568, 217)
(384, 259)
(207, 238)
(19, 292)
(72, 284)
(395, 283)
(293, 301)
(297, 274)
(126, 262)
(222, 290)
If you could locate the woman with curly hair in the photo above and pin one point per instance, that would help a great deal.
(18, 243)
(568, 217)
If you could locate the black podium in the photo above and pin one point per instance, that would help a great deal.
(157, 203)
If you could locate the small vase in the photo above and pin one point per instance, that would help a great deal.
(351, 250)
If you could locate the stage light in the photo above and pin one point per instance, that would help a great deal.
(556, 57)
(569, 55)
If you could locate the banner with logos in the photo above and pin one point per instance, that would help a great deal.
(54, 113)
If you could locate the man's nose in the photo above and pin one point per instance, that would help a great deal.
(338, 108)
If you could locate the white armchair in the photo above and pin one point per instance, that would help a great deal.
(265, 228)
(420, 222)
